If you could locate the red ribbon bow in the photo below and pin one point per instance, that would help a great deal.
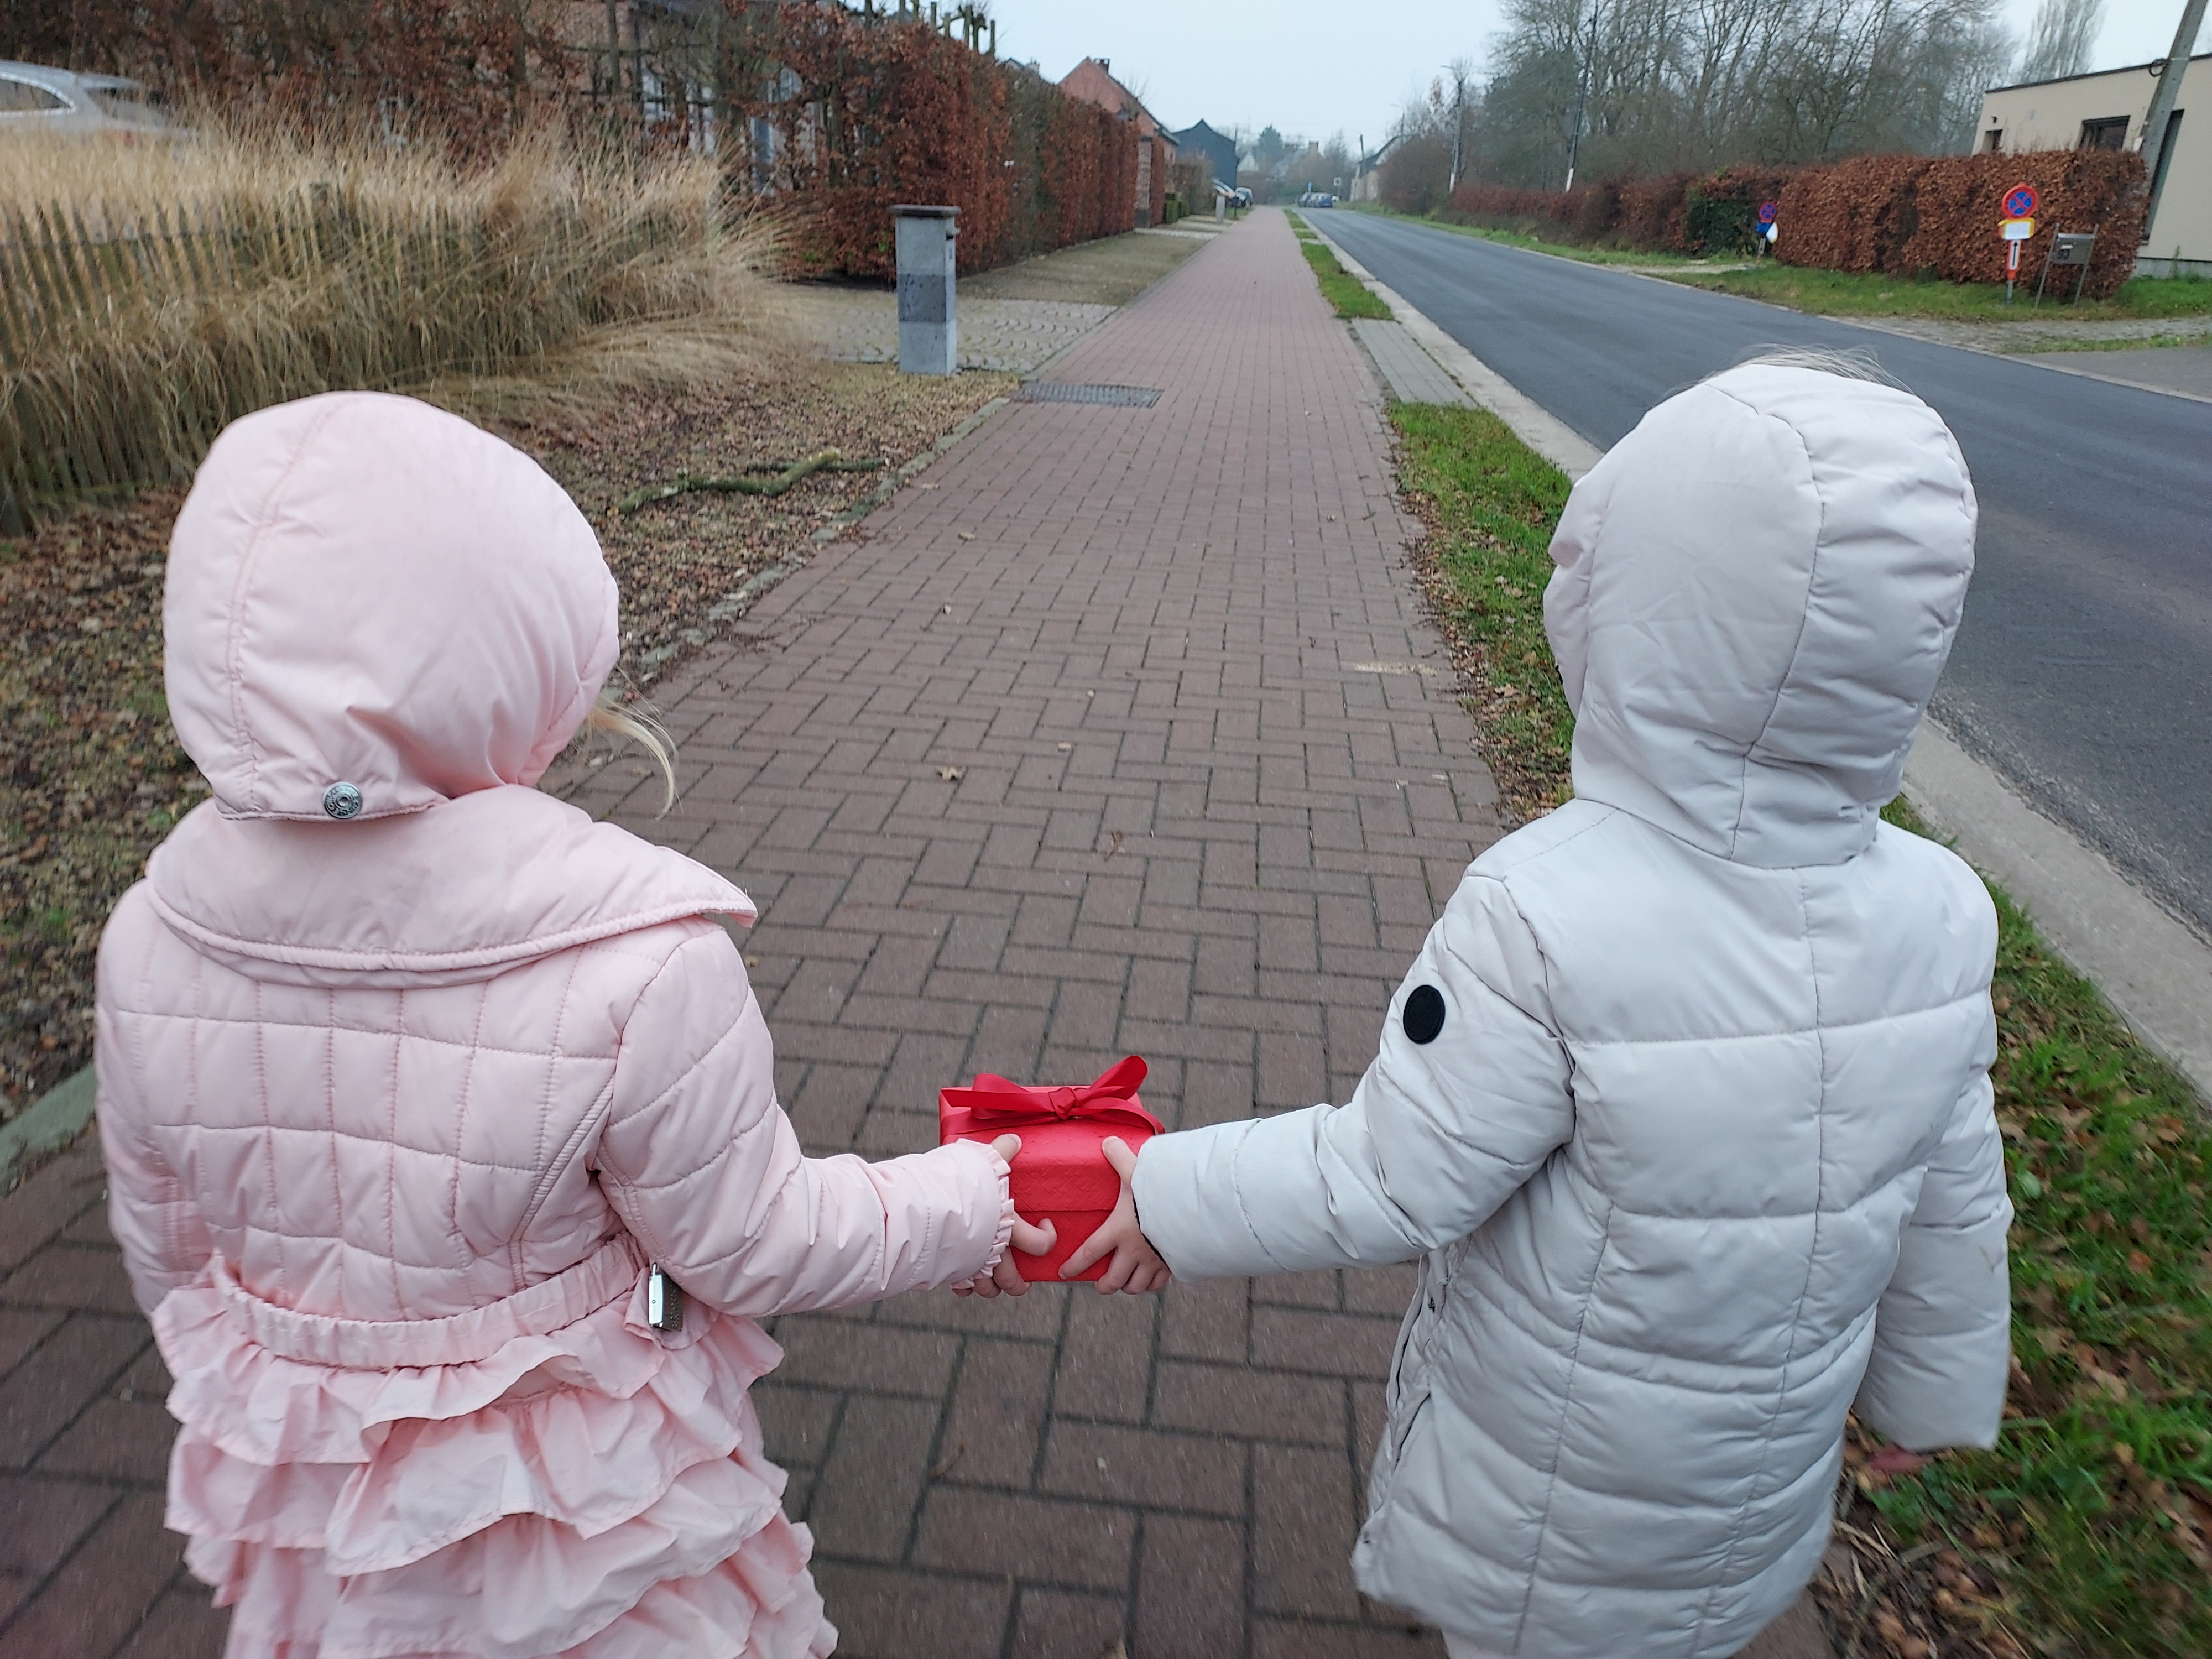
(995, 1101)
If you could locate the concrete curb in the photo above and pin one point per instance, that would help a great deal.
(2156, 974)
(49, 1124)
(1536, 427)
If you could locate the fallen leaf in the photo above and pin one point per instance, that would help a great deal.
(966, 535)
(1895, 1459)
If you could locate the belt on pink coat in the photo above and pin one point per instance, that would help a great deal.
(607, 1275)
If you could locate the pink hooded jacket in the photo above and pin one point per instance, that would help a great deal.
(407, 1072)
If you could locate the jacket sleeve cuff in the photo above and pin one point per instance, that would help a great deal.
(977, 1163)
(1185, 1188)
(1006, 1230)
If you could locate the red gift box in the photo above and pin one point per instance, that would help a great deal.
(1060, 1173)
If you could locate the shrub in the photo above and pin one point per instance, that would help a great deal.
(472, 74)
(1651, 212)
(1415, 176)
(1903, 215)
(1855, 215)
(1960, 202)
(866, 110)
(1720, 211)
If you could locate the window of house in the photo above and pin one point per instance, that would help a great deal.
(21, 98)
(2111, 133)
(1993, 140)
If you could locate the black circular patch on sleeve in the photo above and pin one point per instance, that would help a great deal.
(1424, 1013)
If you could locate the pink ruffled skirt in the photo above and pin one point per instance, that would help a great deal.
(549, 1475)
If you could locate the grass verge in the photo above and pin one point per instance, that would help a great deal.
(2086, 1533)
(1489, 502)
(1859, 294)
(1339, 287)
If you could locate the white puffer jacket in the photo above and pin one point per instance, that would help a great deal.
(1703, 1151)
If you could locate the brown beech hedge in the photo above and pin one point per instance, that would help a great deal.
(1907, 216)
(871, 111)
(867, 110)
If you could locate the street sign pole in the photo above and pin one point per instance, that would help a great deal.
(2017, 226)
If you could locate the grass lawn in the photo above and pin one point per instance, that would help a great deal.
(1855, 294)
(1339, 287)
(2087, 1531)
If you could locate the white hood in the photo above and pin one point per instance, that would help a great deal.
(1757, 591)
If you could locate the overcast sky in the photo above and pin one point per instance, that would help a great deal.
(1313, 69)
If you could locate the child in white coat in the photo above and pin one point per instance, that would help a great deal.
(1685, 1105)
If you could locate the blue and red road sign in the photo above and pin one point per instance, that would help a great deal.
(2021, 202)
(1766, 212)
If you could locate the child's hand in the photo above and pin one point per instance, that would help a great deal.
(1030, 1240)
(1137, 1267)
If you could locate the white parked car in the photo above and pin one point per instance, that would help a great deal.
(36, 98)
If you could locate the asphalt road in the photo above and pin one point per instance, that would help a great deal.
(2083, 670)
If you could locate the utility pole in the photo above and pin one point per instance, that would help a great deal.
(1582, 91)
(2152, 143)
(1459, 124)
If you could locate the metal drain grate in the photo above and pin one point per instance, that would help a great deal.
(1066, 392)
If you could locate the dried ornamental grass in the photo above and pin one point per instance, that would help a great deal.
(151, 293)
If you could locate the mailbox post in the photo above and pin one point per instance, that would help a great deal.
(929, 317)
(2068, 247)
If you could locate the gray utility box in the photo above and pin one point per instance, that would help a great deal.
(929, 323)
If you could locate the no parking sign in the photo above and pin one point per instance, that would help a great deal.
(2020, 202)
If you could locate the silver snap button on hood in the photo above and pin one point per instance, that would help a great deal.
(341, 800)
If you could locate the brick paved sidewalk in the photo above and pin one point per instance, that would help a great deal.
(1184, 821)
(1112, 734)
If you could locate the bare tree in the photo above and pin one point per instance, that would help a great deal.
(1699, 83)
(2061, 39)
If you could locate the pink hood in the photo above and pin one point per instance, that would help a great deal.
(383, 624)
(365, 590)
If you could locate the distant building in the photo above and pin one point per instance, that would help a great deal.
(1093, 81)
(1367, 171)
(1219, 148)
(2106, 112)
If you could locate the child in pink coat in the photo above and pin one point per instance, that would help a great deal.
(410, 1077)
